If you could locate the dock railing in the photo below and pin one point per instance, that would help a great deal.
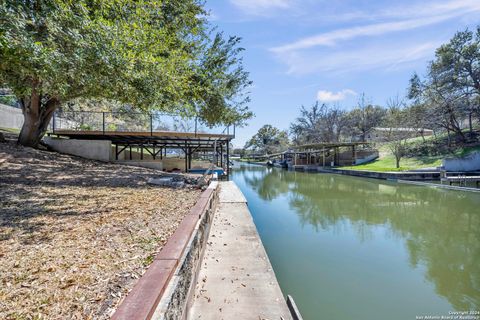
(106, 122)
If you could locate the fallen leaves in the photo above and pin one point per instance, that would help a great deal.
(76, 234)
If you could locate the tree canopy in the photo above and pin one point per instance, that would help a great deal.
(318, 124)
(160, 55)
(441, 102)
(450, 91)
(324, 123)
(268, 140)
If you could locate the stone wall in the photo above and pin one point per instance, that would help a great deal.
(179, 295)
(166, 289)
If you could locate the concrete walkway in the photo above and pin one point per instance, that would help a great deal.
(236, 280)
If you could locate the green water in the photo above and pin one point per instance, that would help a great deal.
(356, 248)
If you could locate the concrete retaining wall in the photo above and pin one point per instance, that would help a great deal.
(441, 186)
(368, 158)
(158, 165)
(167, 163)
(468, 163)
(10, 117)
(390, 175)
(89, 149)
(125, 155)
(179, 163)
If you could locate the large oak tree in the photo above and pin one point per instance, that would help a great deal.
(151, 54)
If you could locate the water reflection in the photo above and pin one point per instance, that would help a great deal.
(440, 228)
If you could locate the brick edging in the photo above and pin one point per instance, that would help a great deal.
(142, 301)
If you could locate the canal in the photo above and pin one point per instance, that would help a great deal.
(355, 248)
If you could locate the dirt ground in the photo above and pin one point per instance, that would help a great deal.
(76, 234)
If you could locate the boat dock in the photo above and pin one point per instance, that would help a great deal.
(461, 180)
(117, 137)
(236, 279)
(310, 157)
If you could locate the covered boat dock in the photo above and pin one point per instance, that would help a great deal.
(153, 145)
(311, 156)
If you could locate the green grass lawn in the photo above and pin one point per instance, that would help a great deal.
(466, 151)
(9, 130)
(386, 162)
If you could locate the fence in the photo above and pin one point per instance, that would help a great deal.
(133, 122)
(10, 117)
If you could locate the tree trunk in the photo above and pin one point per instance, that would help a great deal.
(397, 161)
(37, 116)
(470, 123)
(456, 128)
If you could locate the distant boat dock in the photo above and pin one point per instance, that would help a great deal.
(461, 180)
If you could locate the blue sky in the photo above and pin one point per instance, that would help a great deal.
(301, 51)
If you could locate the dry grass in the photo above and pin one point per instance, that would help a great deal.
(76, 234)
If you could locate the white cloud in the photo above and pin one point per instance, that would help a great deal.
(329, 96)
(331, 38)
(422, 9)
(339, 50)
(257, 7)
(435, 8)
(386, 56)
